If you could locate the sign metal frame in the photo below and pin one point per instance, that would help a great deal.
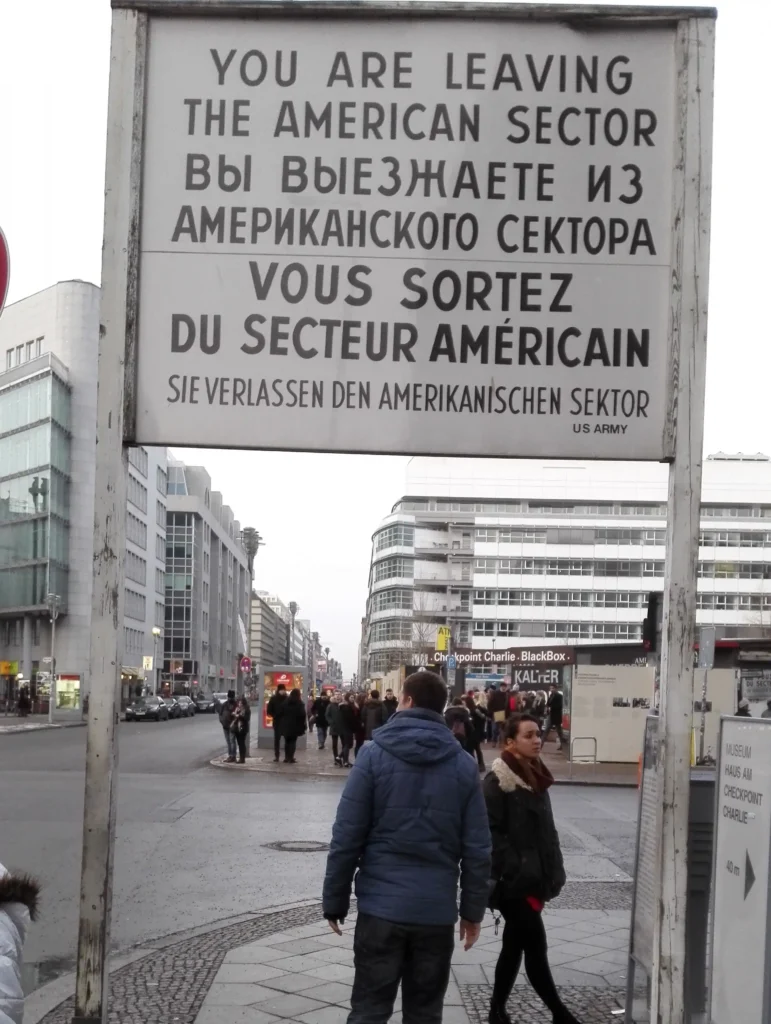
(681, 443)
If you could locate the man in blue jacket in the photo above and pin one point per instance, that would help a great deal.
(410, 823)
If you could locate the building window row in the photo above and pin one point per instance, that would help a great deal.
(560, 630)
(561, 598)
(136, 568)
(18, 354)
(160, 547)
(160, 581)
(160, 514)
(161, 480)
(135, 605)
(656, 509)
(735, 570)
(391, 629)
(133, 640)
(160, 613)
(136, 493)
(138, 459)
(734, 602)
(566, 567)
(394, 597)
(613, 535)
(402, 568)
(136, 530)
(398, 535)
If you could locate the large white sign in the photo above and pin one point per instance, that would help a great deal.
(441, 236)
(740, 993)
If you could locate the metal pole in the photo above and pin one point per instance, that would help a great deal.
(117, 341)
(694, 54)
(52, 687)
(703, 726)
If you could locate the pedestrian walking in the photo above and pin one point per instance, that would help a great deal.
(348, 717)
(319, 712)
(227, 715)
(554, 710)
(410, 822)
(458, 721)
(499, 709)
(373, 714)
(333, 724)
(293, 724)
(478, 717)
(390, 704)
(240, 726)
(276, 706)
(527, 866)
(18, 906)
(744, 709)
(767, 712)
(24, 704)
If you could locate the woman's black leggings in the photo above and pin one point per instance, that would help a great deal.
(524, 934)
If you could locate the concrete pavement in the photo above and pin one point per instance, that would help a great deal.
(315, 762)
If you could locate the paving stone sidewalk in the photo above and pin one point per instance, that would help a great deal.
(320, 763)
(33, 723)
(304, 974)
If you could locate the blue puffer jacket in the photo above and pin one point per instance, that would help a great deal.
(412, 819)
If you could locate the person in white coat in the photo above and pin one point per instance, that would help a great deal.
(18, 906)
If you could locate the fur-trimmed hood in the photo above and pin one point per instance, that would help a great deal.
(17, 887)
(508, 780)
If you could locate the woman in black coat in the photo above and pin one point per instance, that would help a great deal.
(527, 867)
(293, 724)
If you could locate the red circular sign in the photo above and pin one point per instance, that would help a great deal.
(5, 269)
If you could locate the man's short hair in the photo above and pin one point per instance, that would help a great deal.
(374, 693)
(280, 688)
(427, 691)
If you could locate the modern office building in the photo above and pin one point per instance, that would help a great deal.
(48, 382)
(269, 634)
(207, 586)
(527, 552)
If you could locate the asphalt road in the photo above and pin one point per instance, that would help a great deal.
(190, 848)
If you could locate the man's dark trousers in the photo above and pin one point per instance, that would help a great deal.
(276, 743)
(385, 954)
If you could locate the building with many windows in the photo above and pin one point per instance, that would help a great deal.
(527, 552)
(269, 635)
(207, 586)
(48, 367)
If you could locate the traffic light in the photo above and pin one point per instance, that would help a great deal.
(650, 629)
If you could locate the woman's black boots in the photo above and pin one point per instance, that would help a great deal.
(498, 1014)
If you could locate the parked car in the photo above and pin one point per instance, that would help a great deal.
(188, 706)
(175, 711)
(147, 707)
(204, 702)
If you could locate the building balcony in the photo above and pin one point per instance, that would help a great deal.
(431, 547)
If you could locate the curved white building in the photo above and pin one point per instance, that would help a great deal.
(525, 552)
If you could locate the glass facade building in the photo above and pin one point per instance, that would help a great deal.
(34, 487)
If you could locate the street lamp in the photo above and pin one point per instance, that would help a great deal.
(54, 603)
(157, 633)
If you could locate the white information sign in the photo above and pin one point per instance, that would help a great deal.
(740, 968)
(439, 236)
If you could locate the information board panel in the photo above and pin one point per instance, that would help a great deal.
(740, 921)
(445, 236)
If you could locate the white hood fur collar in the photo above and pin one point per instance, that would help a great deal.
(509, 781)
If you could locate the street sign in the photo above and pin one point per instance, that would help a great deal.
(147, 663)
(452, 662)
(47, 660)
(246, 665)
(5, 269)
(442, 248)
(741, 951)
(443, 635)
(707, 647)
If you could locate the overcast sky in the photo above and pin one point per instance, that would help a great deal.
(317, 512)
